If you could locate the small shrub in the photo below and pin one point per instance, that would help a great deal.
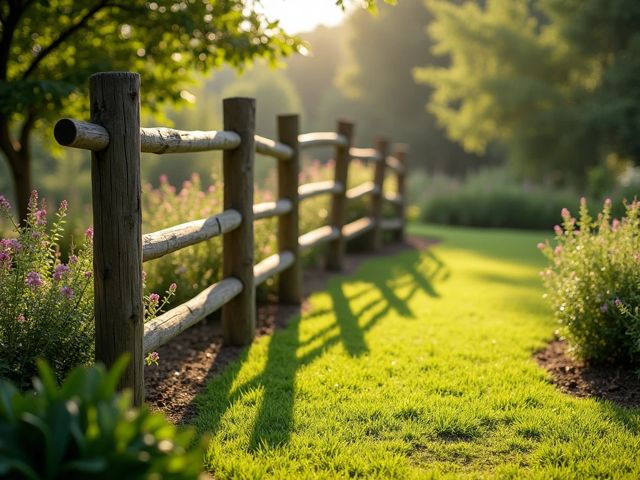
(84, 429)
(593, 280)
(46, 306)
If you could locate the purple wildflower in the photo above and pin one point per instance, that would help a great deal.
(64, 205)
(4, 203)
(173, 287)
(66, 292)
(41, 217)
(33, 280)
(604, 308)
(88, 275)
(21, 318)
(88, 233)
(618, 302)
(60, 271)
(154, 298)
(73, 259)
(5, 260)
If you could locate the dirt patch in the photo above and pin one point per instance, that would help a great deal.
(619, 384)
(188, 361)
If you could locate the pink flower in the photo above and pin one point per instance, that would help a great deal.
(557, 250)
(144, 275)
(565, 213)
(73, 259)
(583, 202)
(60, 271)
(173, 287)
(88, 233)
(33, 200)
(21, 319)
(557, 229)
(615, 224)
(41, 217)
(618, 302)
(607, 203)
(154, 298)
(154, 356)
(604, 308)
(33, 280)
(4, 203)
(541, 246)
(63, 206)
(66, 292)
(87, 275)
(163, 179)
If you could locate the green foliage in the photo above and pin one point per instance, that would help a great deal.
(549, 80)
(416, 366)
(84, 429)
(594, 271)
(46, 306)
(492, 198)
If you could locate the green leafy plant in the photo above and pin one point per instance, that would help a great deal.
(592, 282)
(84, 429)
(46, 305)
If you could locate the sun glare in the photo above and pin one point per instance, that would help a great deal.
(303, 15)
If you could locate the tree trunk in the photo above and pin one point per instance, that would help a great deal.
(21, 173)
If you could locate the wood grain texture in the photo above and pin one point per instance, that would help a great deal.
(321, 139)
(160, 330)
(272, 209)
(375, 236)
(318, 236)
(271, 265)
(336, 247)
(309, 190)
(239, 315)
(162, 242)
(290, 280)
(271, 148)
(117, 241)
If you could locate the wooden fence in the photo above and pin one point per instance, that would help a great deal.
(116, 140)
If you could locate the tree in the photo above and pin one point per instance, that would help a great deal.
(48, 48)
(552, 81)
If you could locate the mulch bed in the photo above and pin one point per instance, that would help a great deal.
(619, 384)
(188, 361)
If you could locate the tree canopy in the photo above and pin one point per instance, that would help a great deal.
(552, 81)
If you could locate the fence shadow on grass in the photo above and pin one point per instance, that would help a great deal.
(274, 420)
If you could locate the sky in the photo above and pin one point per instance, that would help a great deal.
(303, 15)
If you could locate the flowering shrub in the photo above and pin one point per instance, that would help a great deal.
(593, 282)
(196, 267)
(46, 305)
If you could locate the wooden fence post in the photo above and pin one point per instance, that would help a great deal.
(239, 315)
(290, 281)
(401, 208)
(336, 248)
(377, 197)
(117, 220)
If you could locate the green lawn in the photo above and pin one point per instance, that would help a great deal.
(417, 366)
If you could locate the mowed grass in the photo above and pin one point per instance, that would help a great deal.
(417, 366)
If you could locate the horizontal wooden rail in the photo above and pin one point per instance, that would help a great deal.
(394, 164)
(365, 154)
(89, 136)
(357, 228)
(318, 236)
(321, 139)
(162, 242)
(165, 327)
(361, 190)
(271, 265)
(309, 190)
(391, 224)
(271, 209)
(271, 148)
(393, 198)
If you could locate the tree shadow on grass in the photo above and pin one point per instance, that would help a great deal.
(274, 421)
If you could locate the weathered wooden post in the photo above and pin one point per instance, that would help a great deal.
(117, 220)
(377, 197)
(290, 281)
(401, 151)
(336, 248)
(239, 315)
